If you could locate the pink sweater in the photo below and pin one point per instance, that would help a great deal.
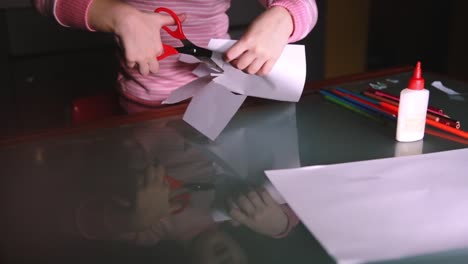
(206, 19)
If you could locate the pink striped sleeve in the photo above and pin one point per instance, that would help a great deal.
(293, 221)
(73, 13)
(303, 12)
(68, 13)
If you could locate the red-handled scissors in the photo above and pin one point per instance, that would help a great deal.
(183, 191)
(204, 55)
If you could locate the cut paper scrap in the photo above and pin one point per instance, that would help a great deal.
(450, 92)
(443, 88)
(187, 91)
(378, 86)
(210, 110)
(382, 209)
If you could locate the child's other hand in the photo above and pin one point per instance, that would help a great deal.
(138, 34)
(263, 42)
(259, 212)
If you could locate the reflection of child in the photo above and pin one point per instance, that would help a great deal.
(146, 216)
(137, 29)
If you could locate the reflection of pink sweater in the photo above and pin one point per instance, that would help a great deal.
(206, 19)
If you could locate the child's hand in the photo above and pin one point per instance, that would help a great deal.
(259, 212)
(263, 42)
(138, 34)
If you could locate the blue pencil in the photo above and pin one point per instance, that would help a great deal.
(368, 107)
(358, 95)
(355, 108)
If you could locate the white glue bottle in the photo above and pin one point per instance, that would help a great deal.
(412, 109)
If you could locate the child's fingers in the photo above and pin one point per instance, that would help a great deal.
(182, 17)
(255, 66)
(131, 64)
(267, 197)
(256, 200)
(266, 68)
(246, 206)
(238, 216)
(167, 20)
(154, 66)
(235, 51)
(144, 68)
(244, 60)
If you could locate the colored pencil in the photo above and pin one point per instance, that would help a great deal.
(363, 103)
(435, 124)
(455, 124)
(444, 120)
(430, 108)
(370, 112)
(348, 105)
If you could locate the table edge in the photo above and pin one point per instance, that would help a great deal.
(178, 109)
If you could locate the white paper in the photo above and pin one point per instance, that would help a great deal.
(382, 209)
(254, 138)
(237, 149)
(187, 91)
(443, 88)
(211, 109)
(285, 82)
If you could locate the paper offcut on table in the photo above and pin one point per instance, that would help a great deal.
(382, 209)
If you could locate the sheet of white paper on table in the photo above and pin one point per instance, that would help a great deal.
(382, 209)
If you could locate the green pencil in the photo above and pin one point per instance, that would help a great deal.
(351, 107)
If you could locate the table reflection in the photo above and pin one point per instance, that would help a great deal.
(118, 191)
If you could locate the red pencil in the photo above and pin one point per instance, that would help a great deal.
(370, 104)
(433, 123)
(436, 117)
(430, 108)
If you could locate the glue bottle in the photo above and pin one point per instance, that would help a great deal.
(412, 109)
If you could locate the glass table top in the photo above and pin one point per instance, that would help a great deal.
(121, 193)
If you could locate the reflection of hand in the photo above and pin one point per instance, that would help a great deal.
(150, 203)
(152, 198)
(260, 47)
(259, 212)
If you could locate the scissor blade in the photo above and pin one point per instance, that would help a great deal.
(198, 186)
(202, 54)
(211, 64)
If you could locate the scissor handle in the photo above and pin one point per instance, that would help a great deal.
(183, 199)
(173, 182)
(177, 33)
(168, 51)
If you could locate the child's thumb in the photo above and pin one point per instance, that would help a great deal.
(167, 20)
